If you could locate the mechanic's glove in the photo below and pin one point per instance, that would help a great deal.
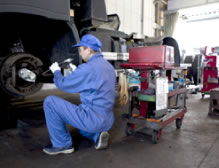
(54, 67)
(72, 67)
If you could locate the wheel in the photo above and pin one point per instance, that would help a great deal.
(10, 82)
(178, 123)
(203, 95)
(155, 137)
(129, 130)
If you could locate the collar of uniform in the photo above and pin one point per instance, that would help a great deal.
(95, 56)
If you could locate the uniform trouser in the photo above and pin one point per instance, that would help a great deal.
(59, 112)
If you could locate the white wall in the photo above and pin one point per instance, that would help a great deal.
(197, 34)
(129, 12)
(199, 28)
(181, 4)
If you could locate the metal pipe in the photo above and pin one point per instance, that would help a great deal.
(142, 17)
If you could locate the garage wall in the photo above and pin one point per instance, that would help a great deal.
(174, 5)
(130, 15)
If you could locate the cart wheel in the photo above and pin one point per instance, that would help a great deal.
(178, 123)
(129, 130)
(203, 95)
(155, 137)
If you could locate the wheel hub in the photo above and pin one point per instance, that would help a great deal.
(10, 81)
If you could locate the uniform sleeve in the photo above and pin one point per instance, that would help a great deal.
(76, 82)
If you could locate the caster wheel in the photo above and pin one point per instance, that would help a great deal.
(178, 123)
(129, 130)
(155, 137)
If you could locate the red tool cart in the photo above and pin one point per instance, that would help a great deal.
(210, 70)
(161, 99)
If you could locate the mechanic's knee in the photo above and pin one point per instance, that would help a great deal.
(49, 100)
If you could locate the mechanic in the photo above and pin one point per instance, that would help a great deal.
(95, 80)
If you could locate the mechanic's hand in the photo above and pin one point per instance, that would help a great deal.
(54, 67)
(72, 67)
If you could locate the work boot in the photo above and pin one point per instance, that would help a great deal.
(102, 141)
(50, 150)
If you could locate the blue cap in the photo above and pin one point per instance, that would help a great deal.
(91, 41)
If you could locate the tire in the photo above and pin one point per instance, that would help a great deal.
(203, 95)
(155, 137)
(196, 67)
(188, 59)
(129, 130)
(178, 123)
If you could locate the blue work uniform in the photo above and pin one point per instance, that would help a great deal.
(95, 81)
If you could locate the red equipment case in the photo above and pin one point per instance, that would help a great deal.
(156, 55)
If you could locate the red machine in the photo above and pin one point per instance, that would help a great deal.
(154, 55)
(210, 71)
(152, 107)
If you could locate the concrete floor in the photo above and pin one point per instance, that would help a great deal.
(195, 145)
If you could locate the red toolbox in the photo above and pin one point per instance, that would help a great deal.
(155, 55)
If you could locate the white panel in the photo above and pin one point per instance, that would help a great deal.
(180, 4)
(129, 12)
(149, 15)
